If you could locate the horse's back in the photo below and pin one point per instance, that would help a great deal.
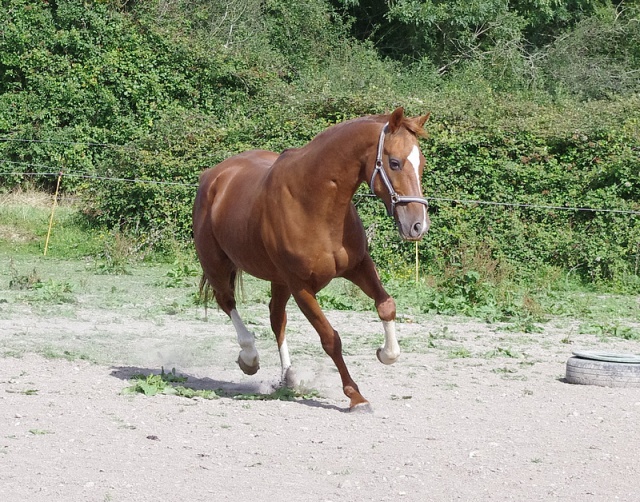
(249, 164)
(237, 178)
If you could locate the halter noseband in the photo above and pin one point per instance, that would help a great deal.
(379, 170)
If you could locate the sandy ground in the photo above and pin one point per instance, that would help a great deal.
(499, 424)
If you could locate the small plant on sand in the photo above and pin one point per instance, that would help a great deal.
(280, 394)
(52, 291)
(458, 353)
(610, 329)
(153, 384)
(21, 281)
(181, 275)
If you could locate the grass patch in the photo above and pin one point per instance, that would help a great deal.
(82, 260)
(458, 353)
(24, 222)
(502, 352)
(341, 294)
(611, 329)
(169, 384)
(165, 383)
(68, 355)
(281, 394)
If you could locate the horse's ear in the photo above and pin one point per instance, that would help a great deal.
(417, 125)
(396, 119)
(423, 119)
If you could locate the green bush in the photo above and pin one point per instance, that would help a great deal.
(158, 91)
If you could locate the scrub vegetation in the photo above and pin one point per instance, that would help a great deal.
(535, 113)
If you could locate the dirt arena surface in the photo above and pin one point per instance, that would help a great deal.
(470, 412)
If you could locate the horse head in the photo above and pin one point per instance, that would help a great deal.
(397, 174)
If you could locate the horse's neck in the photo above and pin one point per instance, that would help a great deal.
(340, 155)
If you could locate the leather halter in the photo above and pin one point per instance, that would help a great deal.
(379, 170)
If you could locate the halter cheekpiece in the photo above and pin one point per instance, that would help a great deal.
(379, 170)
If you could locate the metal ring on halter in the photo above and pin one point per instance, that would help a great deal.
(379, 170)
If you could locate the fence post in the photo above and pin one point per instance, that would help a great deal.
(53, 210)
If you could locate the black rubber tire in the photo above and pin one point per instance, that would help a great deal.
(602, 373)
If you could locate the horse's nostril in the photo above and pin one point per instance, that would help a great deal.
(417, 228)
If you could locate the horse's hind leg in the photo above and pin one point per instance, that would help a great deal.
(224, 292)
(280, 295)
(220, 273)
(366, 278)
(248, 359)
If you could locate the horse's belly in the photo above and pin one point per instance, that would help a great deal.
(255, 264)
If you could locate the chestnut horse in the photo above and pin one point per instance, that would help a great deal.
(289, 219)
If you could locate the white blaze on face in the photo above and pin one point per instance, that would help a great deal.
(414, 159)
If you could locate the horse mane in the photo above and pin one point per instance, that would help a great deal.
(413, 127)
(409, 123)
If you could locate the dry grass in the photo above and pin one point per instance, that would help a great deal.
(25, 213)
(11, 233)
(32, 198)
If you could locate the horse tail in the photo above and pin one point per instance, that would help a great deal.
(239, 284)
(205, 292)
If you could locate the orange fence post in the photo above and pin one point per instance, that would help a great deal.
(53, 210)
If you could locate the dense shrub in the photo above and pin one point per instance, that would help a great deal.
(516, 160)
(157, 91)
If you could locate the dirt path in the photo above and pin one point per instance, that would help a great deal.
(470, 412)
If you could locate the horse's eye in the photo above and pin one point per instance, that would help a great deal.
(395, 164)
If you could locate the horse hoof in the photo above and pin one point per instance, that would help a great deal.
(384, 358)
(247, 369)
(289, 379)
(362, 408)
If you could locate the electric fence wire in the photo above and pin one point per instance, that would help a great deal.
(62, 142)
(429, 198)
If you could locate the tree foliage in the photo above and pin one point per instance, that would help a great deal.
(533, 102)
(533, 42)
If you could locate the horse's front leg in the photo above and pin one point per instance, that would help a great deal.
(366, 277)
(331, 344)
(390, 350)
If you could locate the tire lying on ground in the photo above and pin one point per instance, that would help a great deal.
(606, 369)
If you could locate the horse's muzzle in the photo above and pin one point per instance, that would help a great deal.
(412, 220)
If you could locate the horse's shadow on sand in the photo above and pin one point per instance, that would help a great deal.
(223, 389)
